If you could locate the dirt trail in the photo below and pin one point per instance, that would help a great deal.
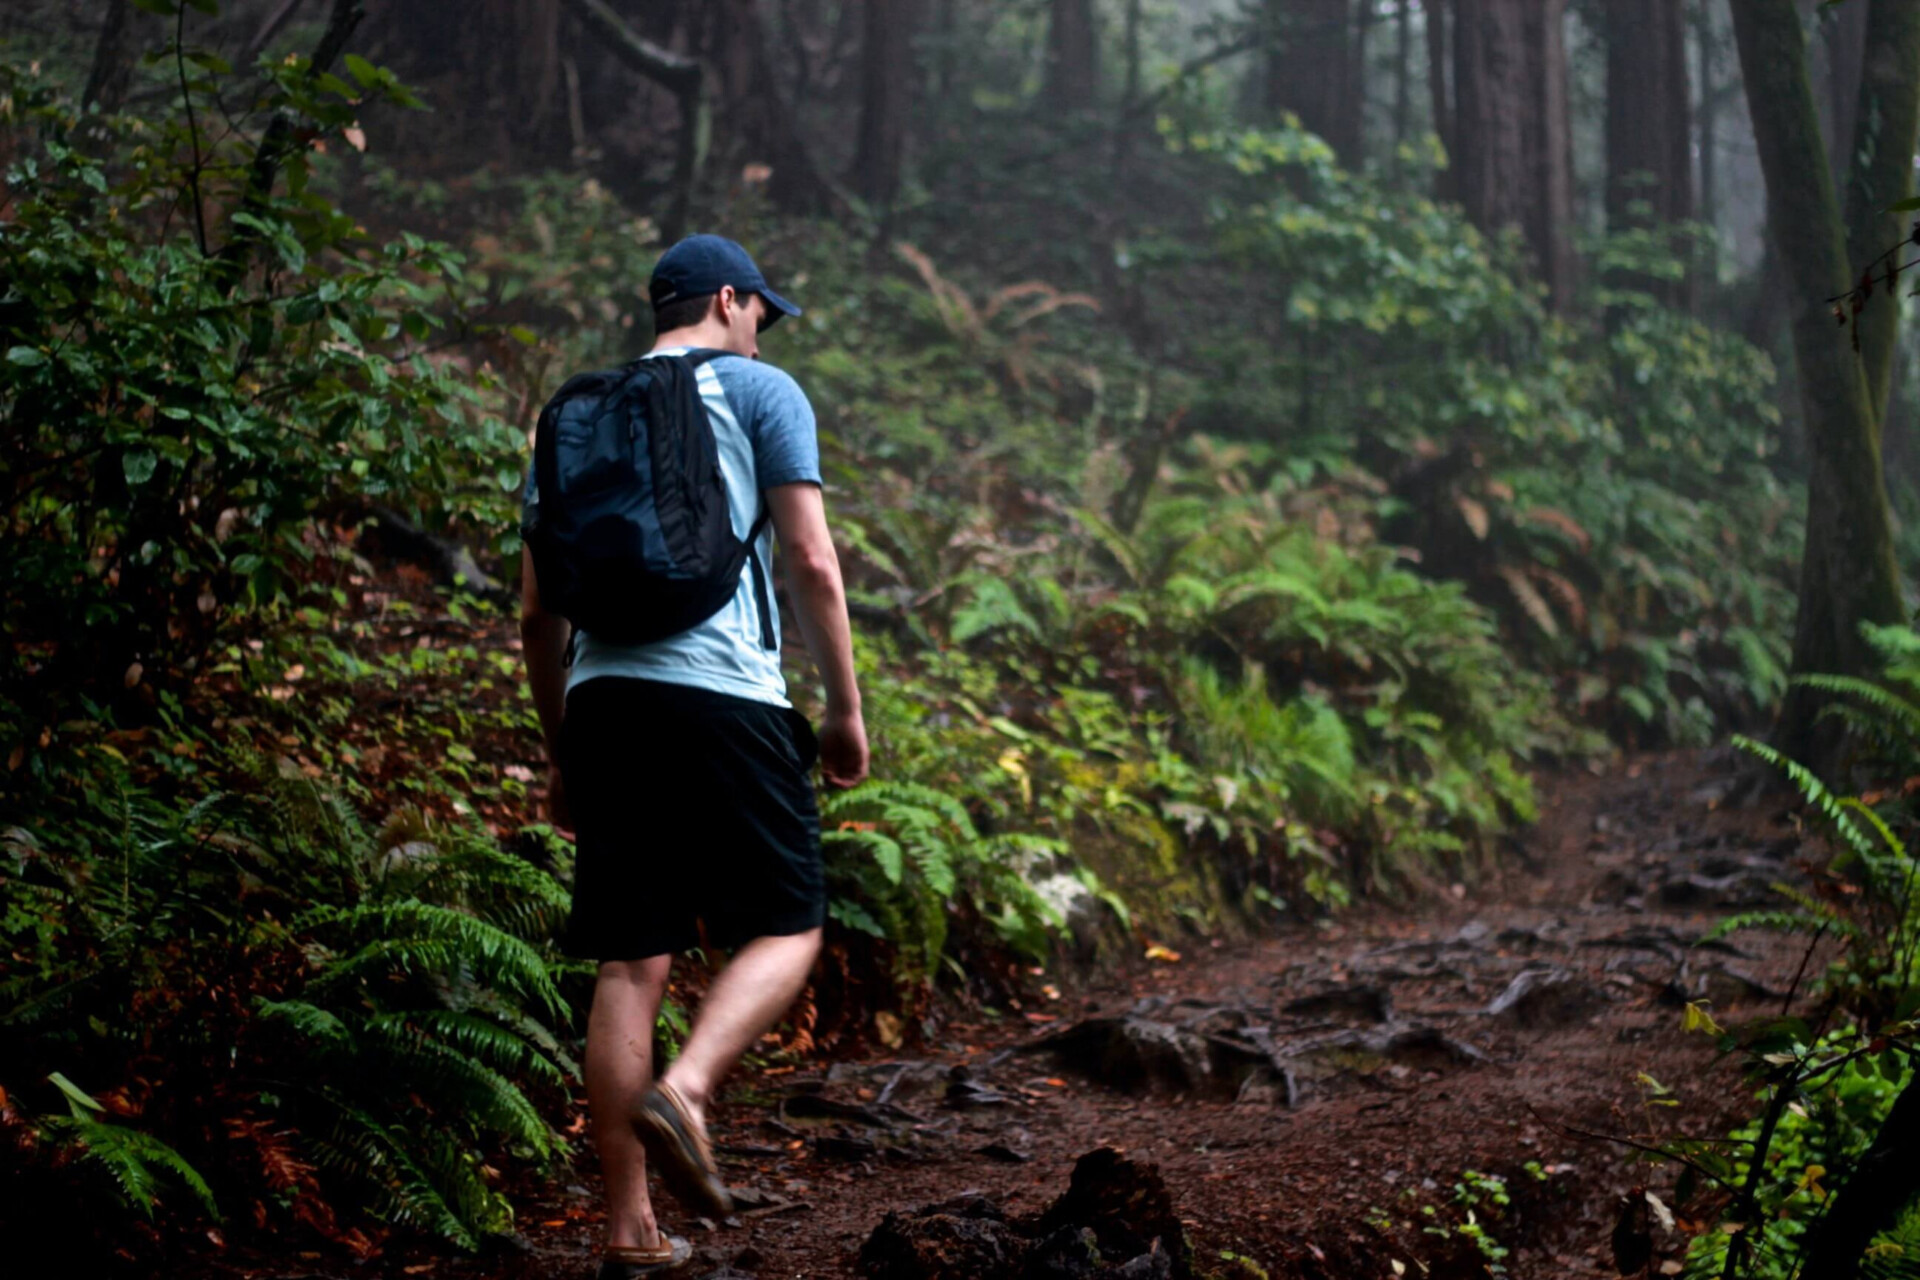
(1378, 1026)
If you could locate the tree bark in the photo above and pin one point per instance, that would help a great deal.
(1886, 131)
(1309, 70)
(1707, 126)
(885, 101)
(758, 115)
(1402, 72)
(1513, 154)
(1073, 56)
(1649, 144)
(114, 56)
(1439, 63)
(1844, 42)
(1847, 573)
(1549, 143)
(1490, 76)
(1882, 1185)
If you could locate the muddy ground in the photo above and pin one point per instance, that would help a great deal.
(1315, 1100)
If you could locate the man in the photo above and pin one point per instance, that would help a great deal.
(686, 772)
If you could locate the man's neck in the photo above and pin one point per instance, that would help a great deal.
(702, 336)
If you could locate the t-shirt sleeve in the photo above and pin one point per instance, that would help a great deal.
(779, 421)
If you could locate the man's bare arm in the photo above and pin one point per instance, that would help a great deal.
(819, 596)
(543, 640)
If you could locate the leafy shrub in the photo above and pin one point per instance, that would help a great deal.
(193, 394)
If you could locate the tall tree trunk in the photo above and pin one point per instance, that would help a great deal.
(1707, 125)
(1649, 144)
(1073, 56)
(1439, 65)
(1363, 21)
(496, 66)
(1847, 572)
(1513, 153)
(758, 116)
(1882, 1185)
(1549, 143)
(1844, 41)
(114, 56)
(1309, 70)
(885, 101)
(1402, 72)
(1489, 58)
(1886, 130)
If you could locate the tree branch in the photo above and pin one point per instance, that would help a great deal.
(278, 143)
(676, 73)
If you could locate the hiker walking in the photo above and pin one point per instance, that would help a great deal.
(653, 652)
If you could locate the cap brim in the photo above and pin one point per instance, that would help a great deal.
(779, 307)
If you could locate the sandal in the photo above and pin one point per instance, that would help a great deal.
(677, 1146)
(630, 1262)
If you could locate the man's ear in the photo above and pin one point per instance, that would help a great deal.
(728, 299)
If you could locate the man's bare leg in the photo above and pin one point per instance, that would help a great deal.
(619, 1069)
(745, 1002)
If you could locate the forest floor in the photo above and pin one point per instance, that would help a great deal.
(1606, 893)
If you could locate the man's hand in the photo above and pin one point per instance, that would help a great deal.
(843, 750)
(557, 811)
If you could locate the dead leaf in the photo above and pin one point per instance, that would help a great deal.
(1474, 514)
(1530, 600)
(888, 1027)
(357, 139)
(1166, 955)
(132, 677)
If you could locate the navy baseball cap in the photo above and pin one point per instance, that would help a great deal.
(701, 265)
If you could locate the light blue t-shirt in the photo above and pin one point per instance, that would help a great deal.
(764, 428)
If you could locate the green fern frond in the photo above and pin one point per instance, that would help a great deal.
(1893, 708)
(478, 1038)
(134, 1161)
(1815, 791)
(308, 1021)
(499, 887)
(358, 1146)
(1779, 922)
(884, 849)
(419, 937)
(442, 1073)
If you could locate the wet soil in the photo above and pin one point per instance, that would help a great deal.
(1313, 1100)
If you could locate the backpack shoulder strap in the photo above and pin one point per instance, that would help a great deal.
(762, 596)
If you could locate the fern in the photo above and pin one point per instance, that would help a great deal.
(359, 1146)
(419, 937)
(473, 1091)
(1815, 792)
(1781, 922)
(136, 1163)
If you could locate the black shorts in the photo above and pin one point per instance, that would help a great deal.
(695, 819)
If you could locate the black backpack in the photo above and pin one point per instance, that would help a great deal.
(631, 536)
